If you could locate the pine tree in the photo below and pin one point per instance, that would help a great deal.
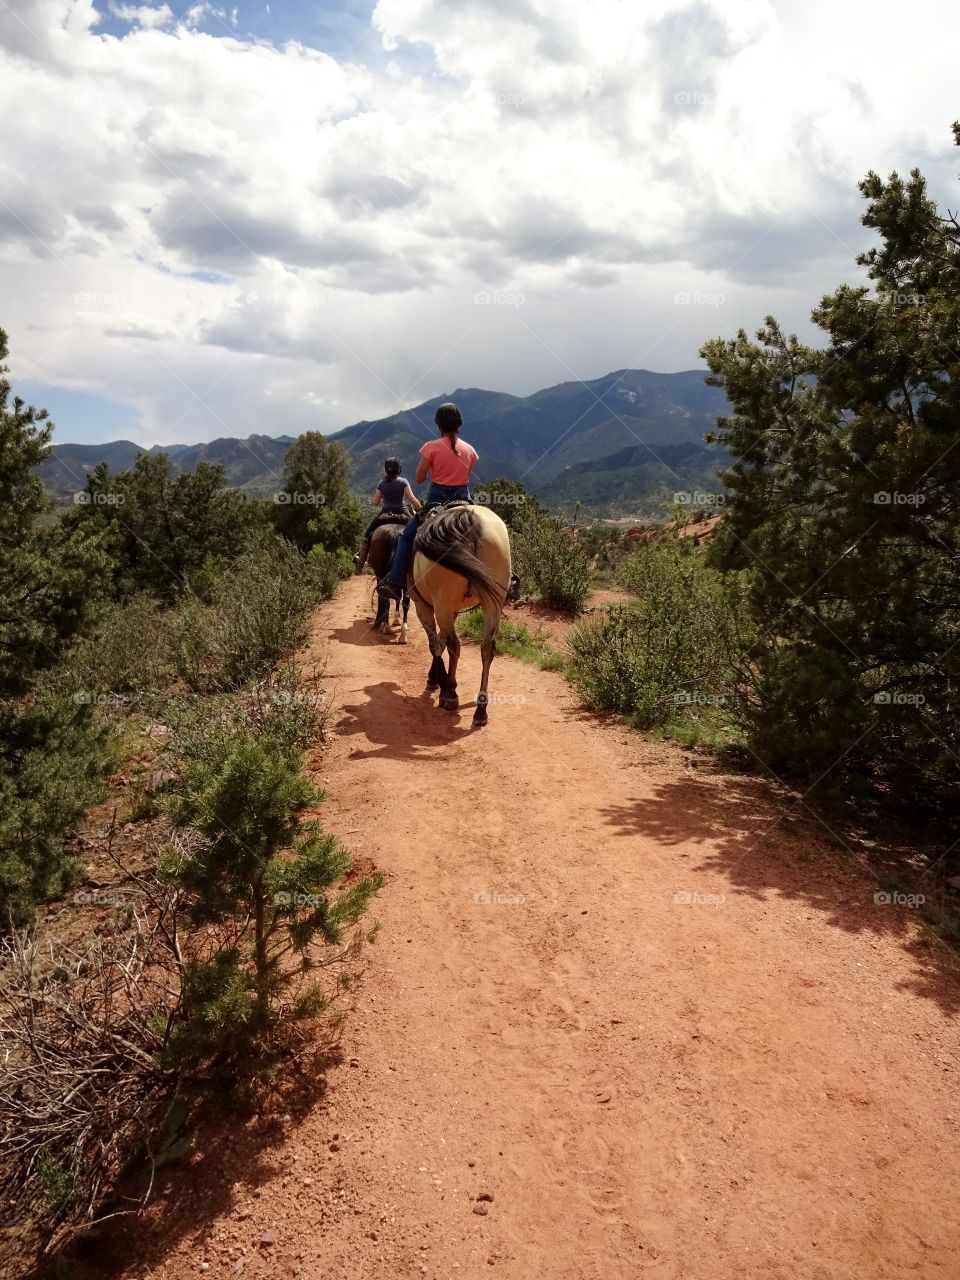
(52, 754)
(258, 880)
(844, 508)
(164, 533)
(315, 506)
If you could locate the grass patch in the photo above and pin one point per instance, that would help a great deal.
(514, 640)
(700, 727)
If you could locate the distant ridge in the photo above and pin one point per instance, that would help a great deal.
(255, 463)
(621, 444)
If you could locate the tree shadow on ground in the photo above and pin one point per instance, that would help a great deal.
(766, 843)
(237, 1152)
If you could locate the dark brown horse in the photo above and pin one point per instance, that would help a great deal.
(383, 543)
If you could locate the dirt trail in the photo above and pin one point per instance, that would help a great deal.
(669, 1039)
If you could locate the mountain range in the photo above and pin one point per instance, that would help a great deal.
(620, 445)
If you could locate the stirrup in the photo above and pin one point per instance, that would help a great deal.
(389, 591)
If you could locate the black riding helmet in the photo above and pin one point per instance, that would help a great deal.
(448, 417)
(391, 467)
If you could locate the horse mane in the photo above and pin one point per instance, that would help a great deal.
(451, 538)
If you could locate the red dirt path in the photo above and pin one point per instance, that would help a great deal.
(755, 1079)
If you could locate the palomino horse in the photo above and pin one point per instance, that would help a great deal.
(461, 559)
(383, 543)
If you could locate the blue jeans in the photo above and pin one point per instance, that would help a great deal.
(438, 493)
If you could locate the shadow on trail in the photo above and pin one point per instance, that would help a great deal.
(780, 850)
(357, 633)
(237, 1153)
(401, 726)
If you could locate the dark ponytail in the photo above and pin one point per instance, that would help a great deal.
(449, 419)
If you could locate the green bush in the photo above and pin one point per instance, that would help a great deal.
(259, 611)
(315, 506)
(509, 499)
(678, 648)
(164, 533)
(127, 654)
(606, 547)
(548, 558)
(61, 757)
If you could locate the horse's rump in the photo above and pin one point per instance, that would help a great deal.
(450, 536)
(383, 544)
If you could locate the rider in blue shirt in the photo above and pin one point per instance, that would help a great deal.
(388, 496)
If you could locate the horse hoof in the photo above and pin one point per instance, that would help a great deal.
(450, 704)
(480, 716)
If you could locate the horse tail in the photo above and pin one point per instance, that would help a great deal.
(451, 539)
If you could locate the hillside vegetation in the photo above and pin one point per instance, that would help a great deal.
(621, 444)
(149, 630)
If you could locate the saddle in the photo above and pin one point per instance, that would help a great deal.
(392, 517)
(428, 513)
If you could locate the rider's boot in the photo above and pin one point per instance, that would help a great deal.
(360, 559)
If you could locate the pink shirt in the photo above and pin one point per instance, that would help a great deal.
(447, 467)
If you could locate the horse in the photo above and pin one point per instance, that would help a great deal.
(383, 543)
(461, 559)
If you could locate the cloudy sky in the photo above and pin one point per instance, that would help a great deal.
(269, 217)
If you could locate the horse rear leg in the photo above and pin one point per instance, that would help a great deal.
(488, 647)
(383, 616)
(404, 627)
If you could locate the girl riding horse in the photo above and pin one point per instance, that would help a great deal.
(389, 495)
(448, 461)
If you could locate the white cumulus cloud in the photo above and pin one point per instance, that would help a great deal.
(277, 236)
